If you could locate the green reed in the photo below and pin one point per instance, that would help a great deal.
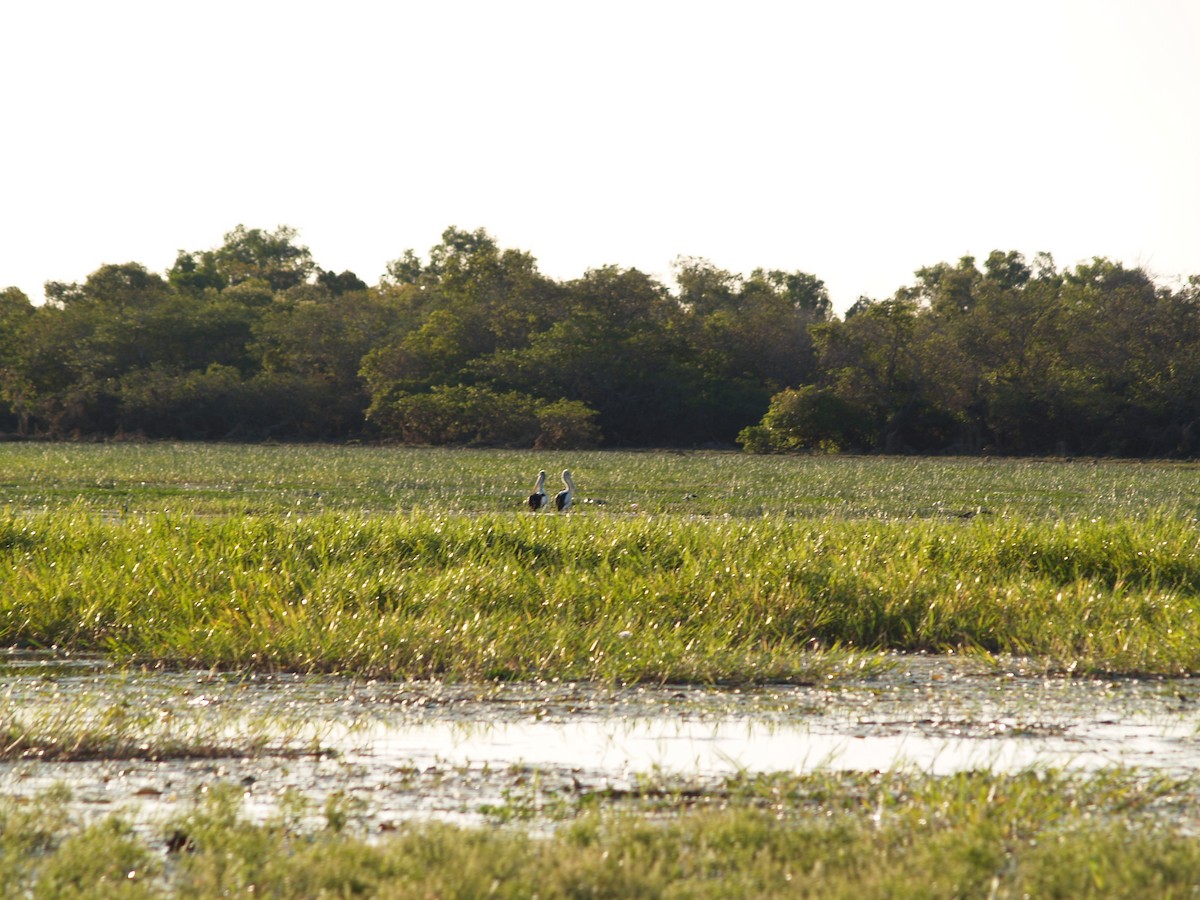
(596, 596)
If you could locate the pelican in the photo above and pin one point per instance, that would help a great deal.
(562, 500)
(538, 498)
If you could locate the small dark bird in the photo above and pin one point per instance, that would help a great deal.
(538, 498)
(562, 500)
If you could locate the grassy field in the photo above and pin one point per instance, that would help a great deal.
(216, 479)
(695, 567)
(704, 567)
(829, 836)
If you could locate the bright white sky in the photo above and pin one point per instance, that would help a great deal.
(851, 139)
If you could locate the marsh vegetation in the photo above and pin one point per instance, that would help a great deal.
(703, 568)
(718, 572)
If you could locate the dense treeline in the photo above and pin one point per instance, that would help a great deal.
(473, 345)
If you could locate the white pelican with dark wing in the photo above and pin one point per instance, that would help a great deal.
(538, 498)
(562, 500)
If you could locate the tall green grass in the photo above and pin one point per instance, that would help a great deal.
(648, 598)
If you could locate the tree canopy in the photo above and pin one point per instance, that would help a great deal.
(470, 344)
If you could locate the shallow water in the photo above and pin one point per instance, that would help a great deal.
(430, 750)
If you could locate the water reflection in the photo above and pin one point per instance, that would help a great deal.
(433, 750)
(742, 745)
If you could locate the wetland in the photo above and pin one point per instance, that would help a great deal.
(361, 647)
(458, 752)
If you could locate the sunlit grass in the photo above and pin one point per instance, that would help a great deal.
(212, 479)
(821, 835)
(704, 567)
(649, 598)
(708, 567)
(84, 727)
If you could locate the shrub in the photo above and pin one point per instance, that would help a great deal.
(478, 416)
(755, 439)
(807, 418)
(462, 414)
(218, 402)
(567, 425)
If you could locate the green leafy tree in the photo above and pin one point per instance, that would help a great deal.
(873, 363)
(196, 273)
(247, 253)
(621, 350)
(16, 314)
(944, 289)
(498, 296)
(338, 284)
(703, 288)
(122, 319)
(433, 354)
(327, 339)
(1119, 340)
(751, 334)
(768, 336)
(1008, 271)
(1011, 341)
(117, 288)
